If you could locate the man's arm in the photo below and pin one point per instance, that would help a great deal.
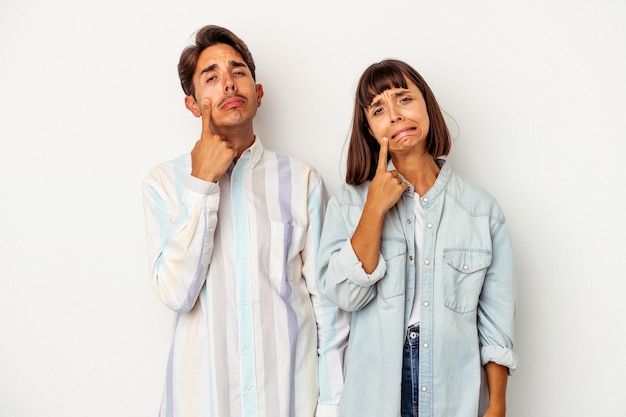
(180, 234)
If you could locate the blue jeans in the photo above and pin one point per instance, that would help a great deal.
(410, 372)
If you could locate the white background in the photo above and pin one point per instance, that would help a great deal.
(90, 100)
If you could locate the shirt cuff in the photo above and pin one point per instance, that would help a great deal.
(500, 355)
(353, 268)
(326, 410)
(202, 193)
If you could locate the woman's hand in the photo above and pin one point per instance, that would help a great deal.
(386, 187)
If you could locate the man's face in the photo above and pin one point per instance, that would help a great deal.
(223, 77)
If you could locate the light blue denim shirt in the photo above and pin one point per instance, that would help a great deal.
(468, 293)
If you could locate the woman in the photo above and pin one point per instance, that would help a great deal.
(423, 260)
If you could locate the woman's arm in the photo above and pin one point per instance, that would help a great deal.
(497, 376)
(384, 192)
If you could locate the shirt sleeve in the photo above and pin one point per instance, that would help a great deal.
(497, 305)
(341, 275)
(180, 229)
(332, 323)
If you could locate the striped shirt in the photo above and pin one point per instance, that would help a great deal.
(236, 261)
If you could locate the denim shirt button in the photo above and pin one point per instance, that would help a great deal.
(424, 389)
(429, 225)
(426, 303)
(427, 262)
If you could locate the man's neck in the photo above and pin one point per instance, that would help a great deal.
(240, 138)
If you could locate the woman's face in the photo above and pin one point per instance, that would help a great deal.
(400, 115)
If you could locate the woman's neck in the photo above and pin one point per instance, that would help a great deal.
(421, 171)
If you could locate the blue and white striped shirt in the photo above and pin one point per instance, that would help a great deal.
(236, 261)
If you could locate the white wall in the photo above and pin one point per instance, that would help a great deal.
(90, 100)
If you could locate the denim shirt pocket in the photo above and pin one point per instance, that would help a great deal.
(286, 243)
(394, 253)
(464, 275)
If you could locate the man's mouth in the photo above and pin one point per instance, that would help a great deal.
(232, 102)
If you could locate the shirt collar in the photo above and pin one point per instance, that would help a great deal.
(252, 155)
(254, 152)
(440, 183)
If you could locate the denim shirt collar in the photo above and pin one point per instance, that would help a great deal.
(438, 187)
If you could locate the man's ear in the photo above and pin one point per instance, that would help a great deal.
(259, 94)
(192, 106)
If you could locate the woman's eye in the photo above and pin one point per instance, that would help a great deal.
(376, 111)
(406, 99)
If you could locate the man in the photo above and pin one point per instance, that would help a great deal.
(233, 233)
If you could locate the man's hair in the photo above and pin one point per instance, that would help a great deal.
(364, 149)
(208, 36)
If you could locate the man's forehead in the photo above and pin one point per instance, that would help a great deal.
(219, 54)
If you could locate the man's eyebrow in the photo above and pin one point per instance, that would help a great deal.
(211, 67)
(208, 69)
(237, 64)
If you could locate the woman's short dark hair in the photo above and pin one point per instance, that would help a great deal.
(208, 36)
(364, 149)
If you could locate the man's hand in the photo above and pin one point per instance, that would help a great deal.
(213, 154)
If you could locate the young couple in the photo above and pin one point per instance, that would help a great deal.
(394, 298)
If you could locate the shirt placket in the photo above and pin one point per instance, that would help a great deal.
(426, 376)
(244, 287)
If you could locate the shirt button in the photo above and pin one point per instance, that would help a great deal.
(410, 258)
(427, 262)
(465, 267)
(248, 387)
(424, 389)
(426, 303)
(430, 225)
(425, 198)
(425, 345)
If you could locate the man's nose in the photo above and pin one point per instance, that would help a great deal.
(229, 84)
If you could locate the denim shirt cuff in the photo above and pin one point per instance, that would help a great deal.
(353, 268)
(500, 355)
